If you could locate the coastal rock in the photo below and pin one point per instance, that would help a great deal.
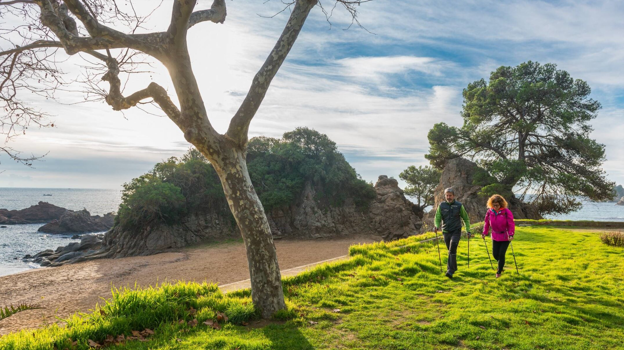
(389, 216)
(44, 253)
(79, 222)
(72, 252)
(68, 256)
(68, 248)
(37, 214)
(459, 173)
(621, 202)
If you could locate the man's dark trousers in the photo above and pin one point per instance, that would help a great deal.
(451, 239)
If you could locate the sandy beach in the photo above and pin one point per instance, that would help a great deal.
(62, 291)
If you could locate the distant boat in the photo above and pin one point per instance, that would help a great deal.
(47, 194)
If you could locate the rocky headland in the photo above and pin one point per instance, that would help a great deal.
(389, 216)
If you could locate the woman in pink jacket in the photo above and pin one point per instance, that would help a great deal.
(500, 219)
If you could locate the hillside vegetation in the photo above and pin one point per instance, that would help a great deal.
(279, 170)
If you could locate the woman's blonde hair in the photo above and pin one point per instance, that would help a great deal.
(497, 198)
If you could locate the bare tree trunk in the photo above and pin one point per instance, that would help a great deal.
(264, 272)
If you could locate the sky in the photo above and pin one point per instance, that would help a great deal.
(376, 91)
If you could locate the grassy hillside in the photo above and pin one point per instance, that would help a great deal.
(569, 295)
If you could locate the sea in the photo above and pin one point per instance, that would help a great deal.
(19, 240)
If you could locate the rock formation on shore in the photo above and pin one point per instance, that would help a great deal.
(71, 253)
(390, 216)
(37, 214)
(621, 202)
(57, 219)
(79, 222)
(459, 173)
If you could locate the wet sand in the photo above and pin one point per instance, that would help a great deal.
(62, 291)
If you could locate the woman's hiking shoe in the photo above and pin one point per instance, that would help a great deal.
(498, 275)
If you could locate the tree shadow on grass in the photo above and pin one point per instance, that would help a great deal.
(286, 337)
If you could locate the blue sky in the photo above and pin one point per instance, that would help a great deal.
(376, 92)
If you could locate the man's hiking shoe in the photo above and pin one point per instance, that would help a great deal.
(449, 275)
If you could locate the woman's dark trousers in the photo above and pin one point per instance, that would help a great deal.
(452, 240)
(498, 250)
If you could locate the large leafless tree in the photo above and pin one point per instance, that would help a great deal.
(45, 32)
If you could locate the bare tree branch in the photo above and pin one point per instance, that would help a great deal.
(216, 14)
(36, 45)
(116, 99)
(16, 2)
(105, 38)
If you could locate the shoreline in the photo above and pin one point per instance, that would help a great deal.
(64, 290)
(20, 270)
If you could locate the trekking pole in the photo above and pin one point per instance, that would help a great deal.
(468, 234)
(512, 253)
(435, 230)
(488, 252)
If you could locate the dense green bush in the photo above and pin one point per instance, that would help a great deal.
(279, 170)
(152, 200)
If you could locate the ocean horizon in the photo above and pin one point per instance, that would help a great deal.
(19, 240)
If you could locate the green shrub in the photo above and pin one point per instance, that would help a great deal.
(615, 239)
(477, 228)
(152, 200)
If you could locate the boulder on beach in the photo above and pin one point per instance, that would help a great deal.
(79, 222)
(41, 213)
(73, 252)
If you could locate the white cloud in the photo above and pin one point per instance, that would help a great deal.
(377, 68)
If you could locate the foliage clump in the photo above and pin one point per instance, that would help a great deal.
(279, 170)
(170, 191)
(421, 183)
(615, 239)
(11, 310)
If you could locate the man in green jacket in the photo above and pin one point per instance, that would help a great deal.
(449, 217)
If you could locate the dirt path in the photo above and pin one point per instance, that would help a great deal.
(64, 290)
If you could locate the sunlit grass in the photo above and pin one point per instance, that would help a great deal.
(569, 295)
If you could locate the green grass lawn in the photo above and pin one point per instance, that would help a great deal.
(569, 295)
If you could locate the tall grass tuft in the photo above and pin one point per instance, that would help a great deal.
(132, 310)
(615, 239)
(12, 310)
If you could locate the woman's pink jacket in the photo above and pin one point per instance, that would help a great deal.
(502, 223)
